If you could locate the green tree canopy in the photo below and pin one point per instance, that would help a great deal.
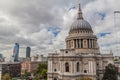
(41, 67)
(6, 77)
(26, 74)
(14, 79)
(110, 72)
(41, 70)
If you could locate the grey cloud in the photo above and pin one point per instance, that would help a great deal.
(27, 20)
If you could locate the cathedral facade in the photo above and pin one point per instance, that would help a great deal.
(81, 58)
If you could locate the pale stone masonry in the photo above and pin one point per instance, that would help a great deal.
(81, 58)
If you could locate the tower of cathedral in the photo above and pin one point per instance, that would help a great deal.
(81, 58)
(81, 37)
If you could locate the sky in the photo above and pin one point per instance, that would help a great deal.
(44, 24)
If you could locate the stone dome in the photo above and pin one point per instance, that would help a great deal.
(80, 24)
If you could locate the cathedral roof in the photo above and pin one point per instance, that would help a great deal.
(80, 23)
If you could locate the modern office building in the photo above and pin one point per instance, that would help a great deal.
(28, 50)
(1, 55)
(82, 56)
(16, 52)
(2, 59)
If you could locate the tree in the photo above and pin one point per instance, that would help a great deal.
(14, 79)
(6, 77)
(110, 72)
(26, 74)
(41, 71)
(44, 73)
(36, 78)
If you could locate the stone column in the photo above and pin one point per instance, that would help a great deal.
(92, 42)
(89, 66)
(94, 65)
(89, 43)
(69, 44)
(85, 43)
(62, 67)
(76, 43)
(72, 67)
(96, 46)
(50, 66)
(73, 44)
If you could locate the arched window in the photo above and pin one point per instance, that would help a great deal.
(77, 69)
(85, 71)
(66, 67)
(55, 79)
(55, 70)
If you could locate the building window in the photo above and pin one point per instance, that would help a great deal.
(85, 71)
(97, 64)
(66, 51)
(55, 70)
(66, 67)
(77, 67)
(55, 79)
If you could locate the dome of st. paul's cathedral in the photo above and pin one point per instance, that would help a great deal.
(80, 23)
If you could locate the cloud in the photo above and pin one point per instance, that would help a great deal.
(44, 25)
(103, 34)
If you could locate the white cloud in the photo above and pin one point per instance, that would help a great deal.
(27, 23)
(106, 25)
